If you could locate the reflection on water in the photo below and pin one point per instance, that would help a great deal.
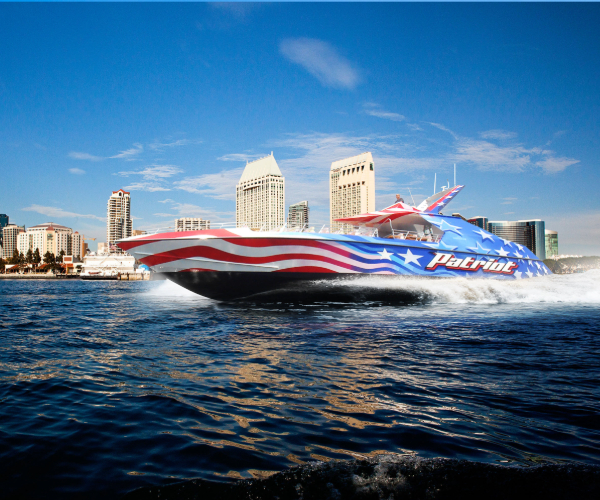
(109, 386)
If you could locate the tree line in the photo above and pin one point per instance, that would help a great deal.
(33, 258)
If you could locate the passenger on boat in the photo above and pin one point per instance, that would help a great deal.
(399, 199)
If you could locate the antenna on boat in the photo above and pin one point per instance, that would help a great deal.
(413, 200)
(455, 174)
(434, 182)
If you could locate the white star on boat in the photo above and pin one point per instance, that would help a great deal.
(517, 254)
(385, 254)
(502, 252)
(518, 274)
(529, 273)
(507, 242)
(444, 226)
(479, 249)
(410, 257)
(538, 265)
(484, 235)
(521, 247)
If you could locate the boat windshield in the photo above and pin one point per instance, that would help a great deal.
(410, 227)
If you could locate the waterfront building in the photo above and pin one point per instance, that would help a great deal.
(77, 245)
(49, 237)
(529, 233)
(298, 215)
(118, 218)
(102, 248)
(480, 221)
(3, 224)
(551, 243)
(138, 232)
(191, 224)
(351, 189)
(260, 195)
(10, 239)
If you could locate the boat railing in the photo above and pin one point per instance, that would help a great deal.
(397, 234)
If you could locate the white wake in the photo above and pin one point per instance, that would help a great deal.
(581, 288)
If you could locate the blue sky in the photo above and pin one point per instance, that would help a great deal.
(169, 100)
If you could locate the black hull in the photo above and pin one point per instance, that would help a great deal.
(289, 287)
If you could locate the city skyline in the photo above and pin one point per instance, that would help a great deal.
(170, 101)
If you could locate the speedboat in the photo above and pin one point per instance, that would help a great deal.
(232, 263)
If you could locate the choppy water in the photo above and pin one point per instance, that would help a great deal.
(108, 386)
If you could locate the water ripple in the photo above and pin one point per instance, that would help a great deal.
(109, 386)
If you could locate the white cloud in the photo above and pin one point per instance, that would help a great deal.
(240, 157)
(497, 134)
(158, 146)
(77, 171)
(59, 213)
(84, 156)
(128, 153)
(322, 61)
(488, 156)
(373, 109)
(553, 165)
(442, 127)
(220, 186)
(154, 172)
(190, 210)
(146, 186)
(153, 175)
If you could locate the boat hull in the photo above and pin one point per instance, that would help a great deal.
(290, 287)
(239, 264)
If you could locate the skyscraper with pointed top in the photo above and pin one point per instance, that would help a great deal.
(260, 195)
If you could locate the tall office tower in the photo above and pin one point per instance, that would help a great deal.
(351, 189)
(191, 224)
(479, 221)
(551, 243)
(529, 233)
(118, 219)
(77, 245)
(47, 237)
(3, 223)
(10, 239)
(260, 195)
(298, 215)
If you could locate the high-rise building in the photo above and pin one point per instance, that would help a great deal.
(480, 221)
(77, 245)
(298, 215)
(191, 224)
(49, 237)
(260, 195)
(351, 189)
(10, 239)
(138, 232)
(3, 224)
(529, 233)
(118, 218)
(551, 243)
